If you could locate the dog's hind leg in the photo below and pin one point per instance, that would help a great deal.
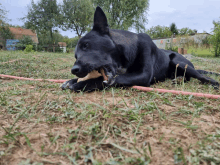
(191, 72)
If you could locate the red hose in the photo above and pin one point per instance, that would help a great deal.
(177, 92)
(135, 87)
(32, 79)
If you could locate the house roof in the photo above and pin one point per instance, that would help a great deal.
(19, 32)
(62, 44)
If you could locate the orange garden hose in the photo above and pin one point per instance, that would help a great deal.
(31, 79)
(148, 89)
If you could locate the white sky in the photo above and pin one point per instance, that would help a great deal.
(195, 14)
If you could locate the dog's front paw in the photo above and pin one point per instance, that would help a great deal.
(111, 75)
(68, 84)
(77, 87)
(110, 81)
(65, 85)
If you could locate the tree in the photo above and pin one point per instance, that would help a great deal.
(5, 33)
(45, 40)
(124, 14)
(24, 41)
(42, 16)
(77, 15)
(3, 13)
(183, 31)
(173, 28)
(70, 42)
(159, 32)
(215, 38)
(187, 31)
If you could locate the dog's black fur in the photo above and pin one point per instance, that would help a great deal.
(136, 54)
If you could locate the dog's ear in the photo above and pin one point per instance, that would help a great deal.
(100, 21)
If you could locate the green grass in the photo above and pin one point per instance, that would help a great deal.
(41, 124)
(200, 52)
(37, 65)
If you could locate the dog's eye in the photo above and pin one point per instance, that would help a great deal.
(85, 46)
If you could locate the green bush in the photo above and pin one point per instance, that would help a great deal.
(39, 48)
(70, 50)
(23, 42)
(215, 39)
(29, 48)
(5, 32)
(74, 42)
(57, 49)
(173, 48)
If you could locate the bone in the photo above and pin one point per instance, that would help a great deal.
(91, 75)
(105, 78)
(96, 74)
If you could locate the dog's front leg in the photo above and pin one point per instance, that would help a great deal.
(110, 72)
(130, 79)
(88, 85)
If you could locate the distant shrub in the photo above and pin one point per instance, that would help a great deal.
(74, 42)
(57, 49)
(24, 42)
(215, 39)
(29, 48)
(70, 50)
(173, 48)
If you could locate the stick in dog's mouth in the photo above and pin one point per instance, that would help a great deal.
(95, 74)
(105, 78)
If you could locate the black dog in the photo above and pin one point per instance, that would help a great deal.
(134, 57)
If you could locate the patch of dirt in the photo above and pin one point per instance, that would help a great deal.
(46, 134)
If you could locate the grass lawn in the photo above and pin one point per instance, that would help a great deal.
(200, 52)
(41, 124)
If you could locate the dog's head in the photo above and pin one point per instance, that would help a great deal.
(95, 49)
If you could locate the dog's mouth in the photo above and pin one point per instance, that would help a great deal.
(108, 72)
(95, 73)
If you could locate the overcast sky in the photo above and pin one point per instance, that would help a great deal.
(195, 14)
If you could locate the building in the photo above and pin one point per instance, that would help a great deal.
(62, 46)
(19, 33)
(163, 42)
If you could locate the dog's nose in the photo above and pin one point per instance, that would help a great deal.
(75, 69)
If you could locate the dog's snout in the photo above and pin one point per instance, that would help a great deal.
(75, 69)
